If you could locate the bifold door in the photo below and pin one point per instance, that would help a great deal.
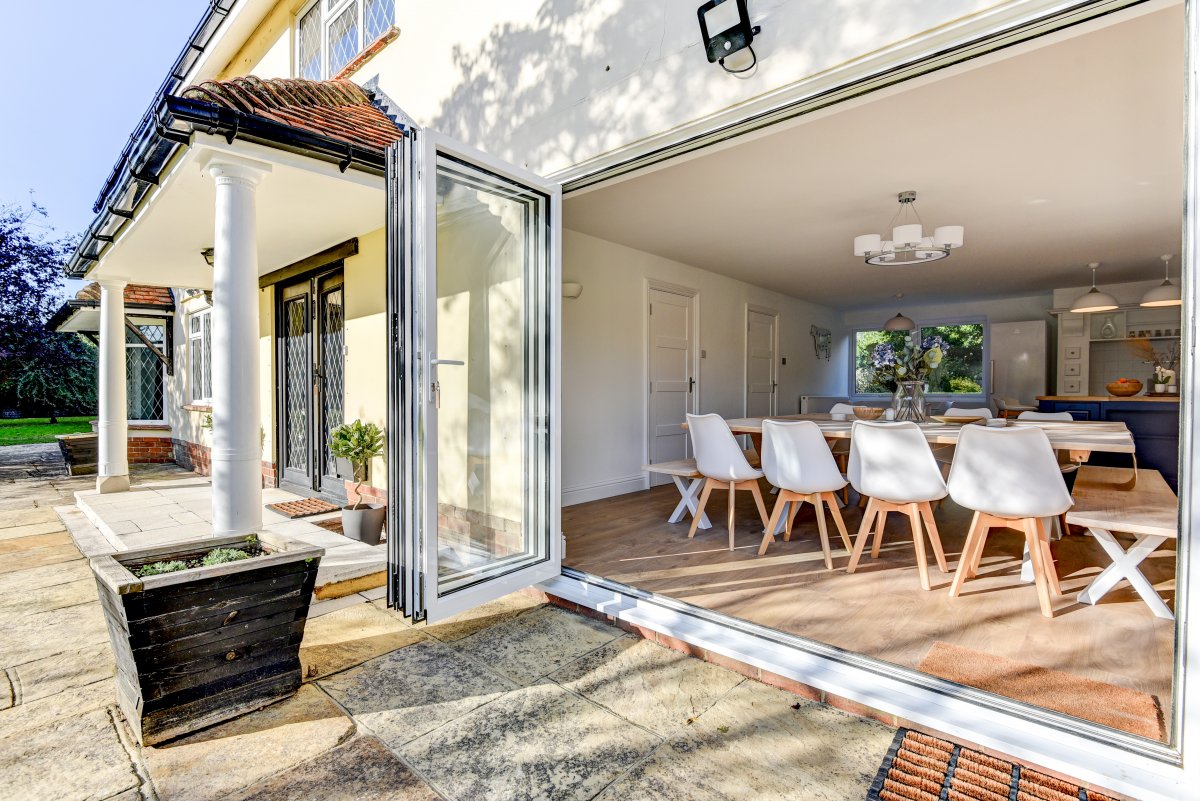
(475, 280)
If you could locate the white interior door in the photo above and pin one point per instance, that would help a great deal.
(761, 376)
(480, 316)
(672, 383)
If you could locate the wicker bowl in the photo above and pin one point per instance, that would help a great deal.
(1126, 389)
(867, 412)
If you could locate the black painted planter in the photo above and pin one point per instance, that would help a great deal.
(204, 645)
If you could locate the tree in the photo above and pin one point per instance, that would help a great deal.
(41, 371)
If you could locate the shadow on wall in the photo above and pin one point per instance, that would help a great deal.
(588, 76)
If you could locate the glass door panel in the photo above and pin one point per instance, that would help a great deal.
(486, 250)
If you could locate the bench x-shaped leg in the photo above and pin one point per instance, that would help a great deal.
(1125, 566)
(689, 499)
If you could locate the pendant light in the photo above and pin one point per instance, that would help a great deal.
(1166, 293)
(899, 323)
(1094, 300)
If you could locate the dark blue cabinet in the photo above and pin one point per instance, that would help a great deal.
(1154, 425)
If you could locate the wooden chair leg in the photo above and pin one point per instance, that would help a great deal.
(914, 522)
(880, 524)
(704, 493)
(730, 520)
(831, 500)
(769, 534)
(1048, 559)
(975, 537)
(758, 499)
(1066, 527)
(824, 532)
(793, 510)
(935, 539)
(1039, 567)
(864, 534)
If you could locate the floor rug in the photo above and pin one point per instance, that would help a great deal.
(302, 508)
(333, 524)
(922, 768)
(1100, 702)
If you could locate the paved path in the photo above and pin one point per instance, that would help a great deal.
(514, 700)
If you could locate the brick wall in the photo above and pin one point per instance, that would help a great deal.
(368, 494)
(196, 457)
(151, 450)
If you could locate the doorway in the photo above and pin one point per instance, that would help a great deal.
(310, 337)
(762, 378)
(670, 359)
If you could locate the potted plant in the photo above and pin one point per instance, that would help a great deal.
(358, 443)
(205, 630)
(1161, 379)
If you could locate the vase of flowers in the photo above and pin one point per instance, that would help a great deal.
(908, 368)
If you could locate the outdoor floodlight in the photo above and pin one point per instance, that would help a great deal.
(726, 29)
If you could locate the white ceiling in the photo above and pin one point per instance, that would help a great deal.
(1062, 154)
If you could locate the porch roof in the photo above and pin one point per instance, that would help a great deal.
(326, 124)
(81, 313)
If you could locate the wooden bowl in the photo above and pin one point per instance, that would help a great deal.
(1126, 390)
(955, 420)
(867, 412)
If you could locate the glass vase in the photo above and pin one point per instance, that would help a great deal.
(909, 401)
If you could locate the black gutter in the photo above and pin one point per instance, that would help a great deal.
(65, 311)
(175, 120)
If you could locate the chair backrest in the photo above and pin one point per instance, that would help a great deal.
(795, 457)
(981, 411)
(893, 462)
(1063, 416)
(841, 408)
(1007, 472)
(718, 454)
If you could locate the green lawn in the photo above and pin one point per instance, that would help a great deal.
(29, 430)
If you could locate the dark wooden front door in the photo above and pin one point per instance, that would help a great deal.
(310, 333)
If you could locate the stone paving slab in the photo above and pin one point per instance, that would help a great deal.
(349, 637)
(17, 518)
(361, 770)
(42, 634)
(31, 529)
(63, 671)
(21, 581)
(38, 557)
(217, 762)
(529, 646)
(652, 686)
(762, 743)
(538, 742)
(481, 617)
(14, 544)
(412, 691)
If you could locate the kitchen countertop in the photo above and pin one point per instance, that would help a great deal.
(1106, 398)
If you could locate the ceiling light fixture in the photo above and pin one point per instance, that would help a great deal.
(1166, 293)
(908, 244)
(899, 323)
(1094, 300)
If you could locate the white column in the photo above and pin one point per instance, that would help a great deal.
(236, 447)
(112, 474)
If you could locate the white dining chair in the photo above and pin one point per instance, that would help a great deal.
(891, 464)
(1064, 417)
(979, 411)
(841, 447)
(1007, 407)
(1009, 477)
(796, 460)
(721, 461)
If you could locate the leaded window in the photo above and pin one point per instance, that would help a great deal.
(144, 373)
(200, 355)
(332, 33)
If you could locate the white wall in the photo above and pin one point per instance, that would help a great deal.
(604, 352)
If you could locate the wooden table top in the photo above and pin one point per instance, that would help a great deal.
(1098, 436)
(1104, 499)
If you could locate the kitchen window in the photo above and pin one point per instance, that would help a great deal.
(961, 371)
(200, 353)
(332, 33)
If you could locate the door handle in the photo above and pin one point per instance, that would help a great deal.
(691, 385)
(454, 362)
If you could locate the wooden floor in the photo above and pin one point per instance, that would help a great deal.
(881, 610)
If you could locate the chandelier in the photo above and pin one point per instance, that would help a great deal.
(909, 244)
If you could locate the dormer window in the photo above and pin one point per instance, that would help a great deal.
(332, 33)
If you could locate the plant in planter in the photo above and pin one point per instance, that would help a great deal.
(358, 443)
(205, 630)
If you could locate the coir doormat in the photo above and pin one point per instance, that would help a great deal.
(923, 768)
(304, 507)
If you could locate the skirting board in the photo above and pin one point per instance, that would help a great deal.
(1120, 762)
(582, 493)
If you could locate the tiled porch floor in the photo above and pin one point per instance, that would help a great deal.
(177, 505)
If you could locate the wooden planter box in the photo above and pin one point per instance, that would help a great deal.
(204, 645)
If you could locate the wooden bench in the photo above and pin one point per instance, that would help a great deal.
(1107, 501)
(689, 482)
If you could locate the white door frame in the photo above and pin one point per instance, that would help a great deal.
(694, 402)
(774, 313)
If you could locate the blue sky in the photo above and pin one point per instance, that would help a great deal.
(77, 76)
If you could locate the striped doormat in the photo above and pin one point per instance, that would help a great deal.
(923, 768)
(302, 508)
